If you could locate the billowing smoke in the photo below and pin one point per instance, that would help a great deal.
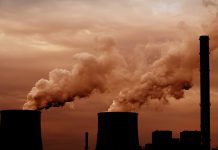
(210, 3)
(161, 77)
(168, 77)
(154, 71)
(64, 86)
(213, 27)
(89, 75)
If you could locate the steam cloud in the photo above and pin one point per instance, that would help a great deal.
(168, 77)
(210, 3)
(165, 78)
(88, 75)
(64, 86)
(160, 77)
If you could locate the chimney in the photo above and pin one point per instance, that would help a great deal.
(20, 129)
(117, 131)
(86, 140)
(205, 91)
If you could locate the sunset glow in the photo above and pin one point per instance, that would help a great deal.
(89, 56)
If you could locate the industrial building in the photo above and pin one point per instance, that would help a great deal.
(163, 140)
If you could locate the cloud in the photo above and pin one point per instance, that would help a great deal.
(210, 3)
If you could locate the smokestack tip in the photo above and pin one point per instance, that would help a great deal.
(204, 37)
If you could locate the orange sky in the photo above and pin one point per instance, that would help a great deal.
(39, 36)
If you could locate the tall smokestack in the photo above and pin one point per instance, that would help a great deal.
(20, 129)
(117, 131)
(205, 91)
(86, 140)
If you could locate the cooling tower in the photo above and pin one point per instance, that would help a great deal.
(117, 131)
(205, 91)
(20, 130)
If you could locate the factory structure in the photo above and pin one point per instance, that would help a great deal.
(163, 140)
(116, 130)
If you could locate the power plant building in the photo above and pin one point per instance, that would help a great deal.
(162, 140)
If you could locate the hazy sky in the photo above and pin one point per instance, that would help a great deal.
(37, 36)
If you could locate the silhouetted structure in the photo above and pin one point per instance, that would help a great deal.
(205, 91)
(148, 146)
(162, 140)
(215, 148)
(190, 137)
(175, 144)
(20, 130)
(162, 137)
(117, 131)
(190, 140)
(86, 140)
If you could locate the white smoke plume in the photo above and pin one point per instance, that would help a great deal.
(162, 77)
(88, 75)
(168, 77)
(143, 75)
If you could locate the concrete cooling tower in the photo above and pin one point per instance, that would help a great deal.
(20, 130)
(117, 131)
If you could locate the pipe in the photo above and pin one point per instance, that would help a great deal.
(86, 140)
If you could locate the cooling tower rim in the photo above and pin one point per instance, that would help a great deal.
(162, 131)
(20, 111)
(131, 113)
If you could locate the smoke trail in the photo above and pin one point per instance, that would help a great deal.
(158, 77)
(213, 26)
(88, 75)
(213, 32)
(210, 3)
(168, 77)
